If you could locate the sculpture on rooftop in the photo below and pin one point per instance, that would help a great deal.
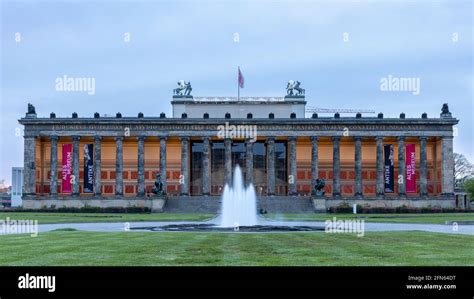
(293, 88)
(445, 111)
(445, 108)
(31, 109)
(184, 88)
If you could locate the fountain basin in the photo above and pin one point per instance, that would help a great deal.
(206, 227)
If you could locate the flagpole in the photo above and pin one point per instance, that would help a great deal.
(238, 83)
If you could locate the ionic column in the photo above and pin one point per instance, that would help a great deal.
(53, 170)
(358, 166)
(314, 162)
(292, 183)
(119, 166)
(423, 168)
(75, 165)
(380, 183)
(97, 166)
(206, 166)
(401, 167)
(184, 165)
(163, 162)
(141, 166)
(447, 166)
(228, 161)
(271, 166)
(249, 161)
(29, 171)
(336, 157)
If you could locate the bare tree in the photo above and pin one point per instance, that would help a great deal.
(463, 169)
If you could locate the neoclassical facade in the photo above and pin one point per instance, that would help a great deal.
(281, 153)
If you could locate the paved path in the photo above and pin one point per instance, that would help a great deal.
(369, 226)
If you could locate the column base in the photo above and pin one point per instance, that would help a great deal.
(338, 195)
(271, 194)
(380, 195)
(358, 195)
(206, 194)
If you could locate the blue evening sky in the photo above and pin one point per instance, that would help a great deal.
(194, 40)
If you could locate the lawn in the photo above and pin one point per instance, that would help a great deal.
(435, 218)
(68, 248)
(44, 218)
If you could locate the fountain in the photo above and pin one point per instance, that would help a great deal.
(238, 213)
(239, 205)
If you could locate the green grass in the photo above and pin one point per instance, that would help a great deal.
(435, 218)
(101, 217)
(68, 248)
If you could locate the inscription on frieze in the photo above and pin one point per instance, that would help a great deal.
(264, 127)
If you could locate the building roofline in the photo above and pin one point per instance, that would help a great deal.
(168, 120)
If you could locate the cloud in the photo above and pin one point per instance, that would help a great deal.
(279, 40)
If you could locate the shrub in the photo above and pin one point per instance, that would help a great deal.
(86, 209)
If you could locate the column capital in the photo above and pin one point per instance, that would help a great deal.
(447, 137)
(401, 138)
(206, 138)
(53, 137)
(358, 138)
(314, 138)
(184, 138)
(291, 138)
(117, 138)
(97, 138)
(163, 138)
(336, 138)
(270, 139)
(379, 138)
(28, 136)
(422, 138)
(141, 138)
(249, 140)
(76, 138)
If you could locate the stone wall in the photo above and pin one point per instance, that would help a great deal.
(156, 205)
(212, 204)
(389, 203)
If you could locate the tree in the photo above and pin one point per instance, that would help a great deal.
(469, 187)
(463, 169)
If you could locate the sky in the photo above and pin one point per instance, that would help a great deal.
(136, 51)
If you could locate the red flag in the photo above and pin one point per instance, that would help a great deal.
(241, 79)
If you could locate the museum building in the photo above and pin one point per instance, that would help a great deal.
(113, 161)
